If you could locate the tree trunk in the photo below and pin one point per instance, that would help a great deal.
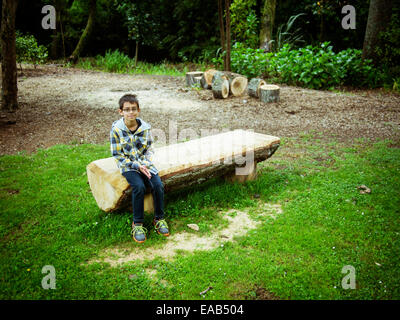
(54, 44)
(86, 33)
(228, 35)
(222, 29)
(62, 34)
(379, 15)
(136, 53)
(9, 97)
(267, 23)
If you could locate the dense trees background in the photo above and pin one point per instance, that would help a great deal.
(182, 29)
(185, 29)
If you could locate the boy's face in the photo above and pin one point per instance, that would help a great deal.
(129, 111)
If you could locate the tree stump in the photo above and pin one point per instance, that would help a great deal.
(206, 79)
(238, 86)
(197, 81)
(269, 93)
(254, 87)
(190, 81)
(220, 85)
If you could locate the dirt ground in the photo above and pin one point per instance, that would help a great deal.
(60, 105)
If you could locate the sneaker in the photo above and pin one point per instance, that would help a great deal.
(138, 233)
(161, 227)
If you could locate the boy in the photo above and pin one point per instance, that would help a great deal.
(131, 146)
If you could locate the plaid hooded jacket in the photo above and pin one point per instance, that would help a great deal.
(132, 150)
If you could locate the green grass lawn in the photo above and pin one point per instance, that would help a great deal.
(49, 217)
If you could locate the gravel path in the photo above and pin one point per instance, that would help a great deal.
(59, 105)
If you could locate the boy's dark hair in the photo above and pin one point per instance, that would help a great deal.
(132, 98)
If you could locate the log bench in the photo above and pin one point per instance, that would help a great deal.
(232, 154)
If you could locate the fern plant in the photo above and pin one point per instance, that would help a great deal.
(284, 35)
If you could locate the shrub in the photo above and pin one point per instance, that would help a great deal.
(316, 67)
(285, 34)
(319, 67)
(27, 49)
(388, 51)
(358, 73)
(246, 61)
(114, 61)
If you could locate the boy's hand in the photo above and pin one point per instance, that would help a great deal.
(145, 171)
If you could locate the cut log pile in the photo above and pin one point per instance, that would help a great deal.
(222, 83)
(225, 83)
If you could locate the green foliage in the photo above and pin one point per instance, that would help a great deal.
(244, 22)
(27, 49)
(248, 61)
(114, 61)
(140, 19)
(208, 54)
(389, 50)
(189, 26)
(83, 64)
(396, 84)
(319, 67)
(312, 67)
(120, 63)
(284, 35)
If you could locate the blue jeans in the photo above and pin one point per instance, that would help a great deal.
(139, 183)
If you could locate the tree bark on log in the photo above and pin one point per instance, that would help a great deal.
(220, 85)
(203, 83)
(190, 81)
(269, 93)
(9, 90)
(254, 87)
(206, 79)
(185, 164)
